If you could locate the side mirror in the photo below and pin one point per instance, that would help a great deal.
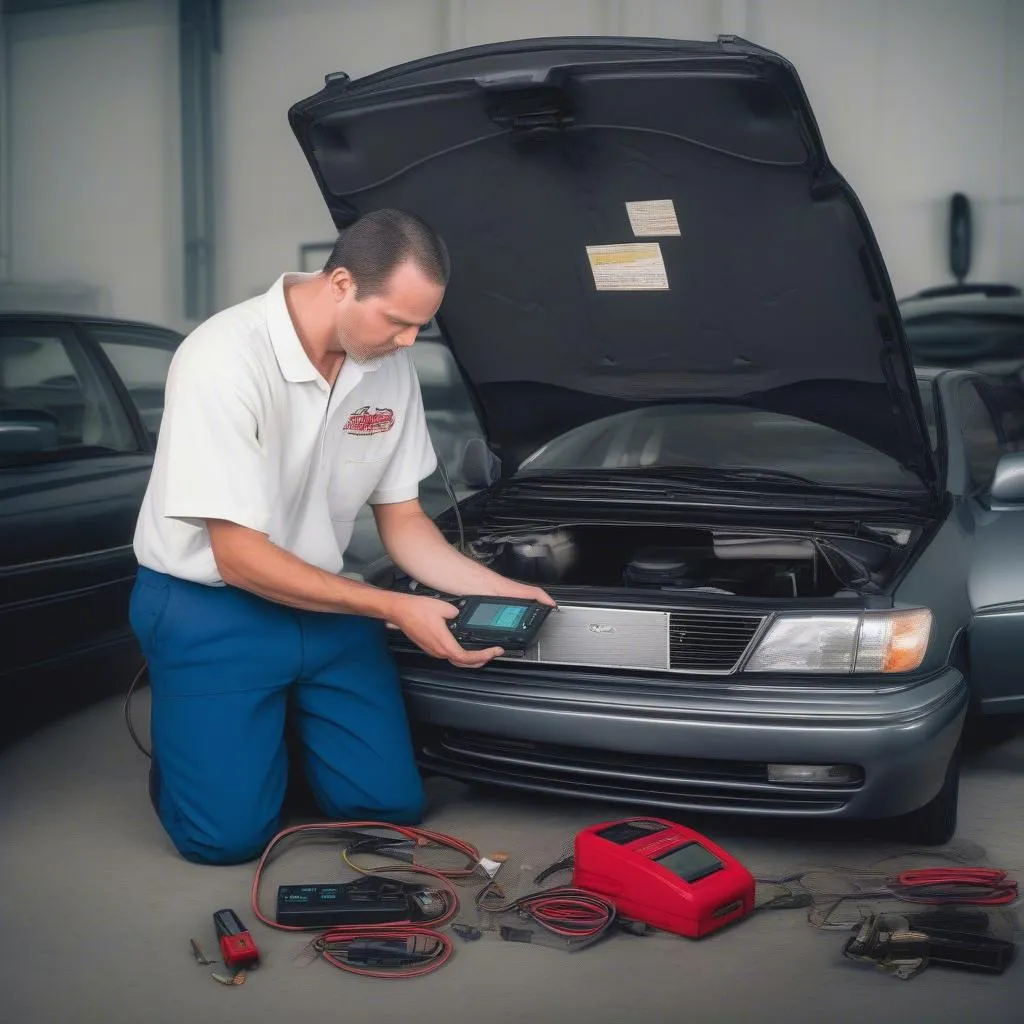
(27, 430)
(480, 466)
(1008, 482)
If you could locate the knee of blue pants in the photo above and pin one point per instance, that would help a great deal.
(230, 843)
(398, 800)
(232, 839)
(403, 808)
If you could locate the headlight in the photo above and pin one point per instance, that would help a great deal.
(881, 642)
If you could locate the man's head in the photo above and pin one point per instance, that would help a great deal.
(387, 275)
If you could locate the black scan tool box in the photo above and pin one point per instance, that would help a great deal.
(366, 901)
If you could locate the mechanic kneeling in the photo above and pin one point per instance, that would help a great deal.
(284, 415)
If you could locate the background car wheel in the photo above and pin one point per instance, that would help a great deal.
(935, 823)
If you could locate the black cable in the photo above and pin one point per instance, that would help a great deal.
(128, 711)
(446, 480)
(560, 865)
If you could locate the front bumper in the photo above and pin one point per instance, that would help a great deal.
(701, 745)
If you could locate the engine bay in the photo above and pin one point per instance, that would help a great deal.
(678, 558)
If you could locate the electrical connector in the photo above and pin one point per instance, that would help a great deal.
(380, 953)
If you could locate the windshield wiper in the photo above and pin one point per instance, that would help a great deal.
(704, 478)
(779, 477)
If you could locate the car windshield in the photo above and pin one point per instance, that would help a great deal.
(965, 339)
(718, 437)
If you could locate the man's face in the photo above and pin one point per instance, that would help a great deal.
(379, 324)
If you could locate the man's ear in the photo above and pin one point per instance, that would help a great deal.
(342, 283)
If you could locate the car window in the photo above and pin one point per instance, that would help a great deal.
(451, 415)
(981, 438)
(1006, 406)
(54, 400)
(141, 359)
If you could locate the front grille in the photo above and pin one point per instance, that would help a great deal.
(691, 641)
(610, 637)
(709, 641)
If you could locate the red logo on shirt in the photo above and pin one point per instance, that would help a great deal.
(370, 420)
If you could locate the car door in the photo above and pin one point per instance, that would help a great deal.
(74, 464)
(992, 420)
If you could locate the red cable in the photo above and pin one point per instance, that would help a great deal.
(397, 931)
(984, 887)
(408, 930)
(565, 911)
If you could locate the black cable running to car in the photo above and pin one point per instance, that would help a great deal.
(128, 710)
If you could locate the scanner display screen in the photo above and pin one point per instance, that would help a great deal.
(690, 862)
(492, 615)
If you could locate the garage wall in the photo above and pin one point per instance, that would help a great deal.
(916, 99)
(95, 182)
(275, 54)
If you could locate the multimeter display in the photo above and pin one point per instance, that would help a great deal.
(498, 616)
(690, 862)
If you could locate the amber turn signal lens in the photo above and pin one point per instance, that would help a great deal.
(893, 641)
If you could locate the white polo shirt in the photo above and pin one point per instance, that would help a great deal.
(252, 433)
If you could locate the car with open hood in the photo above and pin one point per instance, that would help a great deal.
(787, 568)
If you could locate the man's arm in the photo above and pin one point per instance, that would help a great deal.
(248, 560)
(418, 547)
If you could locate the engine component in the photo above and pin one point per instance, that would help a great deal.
(751, 546)
(661, 567)
(543, 557)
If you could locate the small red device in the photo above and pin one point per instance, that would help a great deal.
(236, 945)
(664, 874)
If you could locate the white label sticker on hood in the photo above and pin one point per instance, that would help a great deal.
(653, 217)
(636, 267)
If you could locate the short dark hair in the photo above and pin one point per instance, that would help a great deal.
(375, 245)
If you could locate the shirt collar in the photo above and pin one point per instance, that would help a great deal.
(295, 365)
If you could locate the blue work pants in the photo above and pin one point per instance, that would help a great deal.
(224, 665)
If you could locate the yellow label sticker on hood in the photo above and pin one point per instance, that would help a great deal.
(636, 267)
(653, 217)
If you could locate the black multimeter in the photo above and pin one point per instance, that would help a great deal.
(503, 622)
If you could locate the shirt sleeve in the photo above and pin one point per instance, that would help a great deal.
(413, 459)
(213, 461)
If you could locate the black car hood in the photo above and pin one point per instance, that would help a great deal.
(524, 154)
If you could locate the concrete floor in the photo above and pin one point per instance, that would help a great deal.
(97, 911)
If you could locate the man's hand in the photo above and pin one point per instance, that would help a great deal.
(501, 586)
(424, 620)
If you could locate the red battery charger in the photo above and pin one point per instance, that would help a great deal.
(664, 874)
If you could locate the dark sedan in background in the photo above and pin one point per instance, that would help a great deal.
(80, 405)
